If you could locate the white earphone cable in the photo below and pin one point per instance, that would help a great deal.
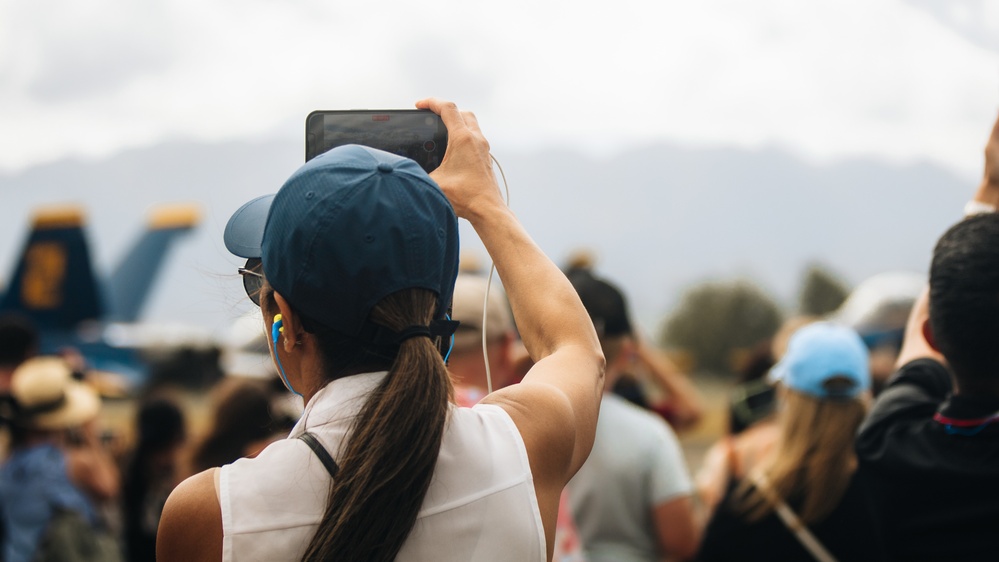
(489, 284)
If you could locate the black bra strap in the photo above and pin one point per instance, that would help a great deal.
(320, 451)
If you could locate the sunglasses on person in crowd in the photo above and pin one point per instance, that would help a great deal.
(253, 279)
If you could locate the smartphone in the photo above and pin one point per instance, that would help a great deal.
(418, 134)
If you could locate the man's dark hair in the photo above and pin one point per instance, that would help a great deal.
(605, 303)
(18, 340)
(964, 296)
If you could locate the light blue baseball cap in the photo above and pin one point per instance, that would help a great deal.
(819, 353)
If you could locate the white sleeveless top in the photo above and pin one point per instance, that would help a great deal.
(481, 503)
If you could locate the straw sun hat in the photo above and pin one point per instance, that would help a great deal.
(48, 398)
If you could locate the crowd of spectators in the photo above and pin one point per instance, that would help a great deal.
(850, 437)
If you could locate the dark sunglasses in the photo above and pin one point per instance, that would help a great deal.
(253, 279)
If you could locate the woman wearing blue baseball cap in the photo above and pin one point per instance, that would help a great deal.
(806, 500)
(353, 264)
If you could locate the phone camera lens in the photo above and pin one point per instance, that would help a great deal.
(429, 146)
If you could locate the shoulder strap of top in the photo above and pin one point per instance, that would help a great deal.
(320, 451)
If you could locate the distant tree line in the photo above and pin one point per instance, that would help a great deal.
(716, 322)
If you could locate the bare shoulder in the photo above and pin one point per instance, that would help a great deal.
(191, 525)
(545, 418)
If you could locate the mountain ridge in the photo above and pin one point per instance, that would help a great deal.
(660, 217)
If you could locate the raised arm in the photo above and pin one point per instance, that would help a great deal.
(91, 466)
(683, 396)
(988, 190)
(556, 405)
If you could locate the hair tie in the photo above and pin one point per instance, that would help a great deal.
(412, 332)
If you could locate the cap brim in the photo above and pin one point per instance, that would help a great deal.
(244, 233)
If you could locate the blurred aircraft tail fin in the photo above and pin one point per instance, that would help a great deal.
(130, 283)
(53, 282)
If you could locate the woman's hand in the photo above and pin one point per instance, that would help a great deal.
(466, 173)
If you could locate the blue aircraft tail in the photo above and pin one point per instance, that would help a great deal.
(53, 282)
(130, 283)
(55, 287)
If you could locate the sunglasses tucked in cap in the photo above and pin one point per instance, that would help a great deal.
(825, 360)
(349, 228)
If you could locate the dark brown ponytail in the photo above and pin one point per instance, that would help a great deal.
(389, 460)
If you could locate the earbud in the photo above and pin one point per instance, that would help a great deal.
(277, 328)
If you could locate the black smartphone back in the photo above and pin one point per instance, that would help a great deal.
(418, 134)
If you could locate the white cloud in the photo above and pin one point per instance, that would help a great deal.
(828, 79)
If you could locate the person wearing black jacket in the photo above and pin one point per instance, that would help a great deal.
(930, 446)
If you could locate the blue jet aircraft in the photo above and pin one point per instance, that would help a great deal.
(54, 285)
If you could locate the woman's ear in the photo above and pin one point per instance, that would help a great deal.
(291, 325)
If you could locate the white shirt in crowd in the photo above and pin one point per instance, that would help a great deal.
(636, 464)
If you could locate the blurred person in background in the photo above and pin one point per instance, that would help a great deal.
(753, 426)
(878, 309)
(467, 366)
(58, 470)
(805, 500)
(931, 443)
(632, 497)
(681, 406)
(642, 362)
(154, 469)
(466, 362)
(244, 421)
(18, 343)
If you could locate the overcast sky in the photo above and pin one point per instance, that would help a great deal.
(900, 80)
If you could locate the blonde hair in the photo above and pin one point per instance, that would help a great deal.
(813, 461)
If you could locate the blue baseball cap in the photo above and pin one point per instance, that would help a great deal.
(820, 352)
(347, 229)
